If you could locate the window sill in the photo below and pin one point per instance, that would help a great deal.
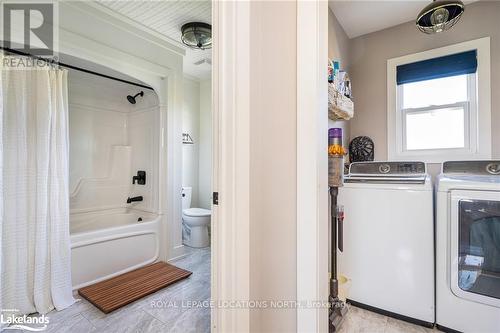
(438, 156)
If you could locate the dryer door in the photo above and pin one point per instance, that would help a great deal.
(475, 246)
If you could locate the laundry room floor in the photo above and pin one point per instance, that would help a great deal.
(362, 321)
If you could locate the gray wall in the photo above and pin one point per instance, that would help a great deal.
(368, 66)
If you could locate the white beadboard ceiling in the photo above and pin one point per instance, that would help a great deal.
(166, 17)
(360, 17)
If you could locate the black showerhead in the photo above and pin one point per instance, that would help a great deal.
(132, 100)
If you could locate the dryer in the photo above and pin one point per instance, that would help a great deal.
(468, 247)
(389, 239)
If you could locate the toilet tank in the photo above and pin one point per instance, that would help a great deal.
(186, 197)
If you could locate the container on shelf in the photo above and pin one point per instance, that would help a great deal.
(340, 107)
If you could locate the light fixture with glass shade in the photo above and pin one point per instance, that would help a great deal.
(197, 35)
(440, 15)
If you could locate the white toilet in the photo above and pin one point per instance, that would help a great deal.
(195, 222)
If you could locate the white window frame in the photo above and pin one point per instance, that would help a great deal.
(470, 122)
(477, 111)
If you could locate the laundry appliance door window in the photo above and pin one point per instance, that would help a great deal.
(475, 246)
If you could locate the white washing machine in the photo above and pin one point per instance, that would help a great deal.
(389, 239)
(468, 247)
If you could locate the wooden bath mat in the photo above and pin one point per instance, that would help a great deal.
(123, 289)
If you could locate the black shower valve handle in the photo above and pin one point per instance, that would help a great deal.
(140, 178)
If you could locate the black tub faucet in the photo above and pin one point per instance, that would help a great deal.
(130, 200)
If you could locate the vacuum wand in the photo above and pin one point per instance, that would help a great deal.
(333, 258)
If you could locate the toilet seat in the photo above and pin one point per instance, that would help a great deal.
(197, 212)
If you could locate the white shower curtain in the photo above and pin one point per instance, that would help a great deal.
(34, 227)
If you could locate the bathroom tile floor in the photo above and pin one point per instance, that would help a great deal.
(179, 308)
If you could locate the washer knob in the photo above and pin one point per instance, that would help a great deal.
(384, 168)
(493, 168)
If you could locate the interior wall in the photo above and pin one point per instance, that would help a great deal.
(273, 157)
(205, 146)
(338, 49)
(197, 158)
(144, 140)
(93, 113)
(368, 69)
(110, 139)
(191, 125)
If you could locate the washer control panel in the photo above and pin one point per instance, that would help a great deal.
(480, 168)
(387, 168)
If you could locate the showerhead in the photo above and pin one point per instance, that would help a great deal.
(131, 98)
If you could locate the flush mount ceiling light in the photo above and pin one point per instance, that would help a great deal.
(439, 16)
(197, 35)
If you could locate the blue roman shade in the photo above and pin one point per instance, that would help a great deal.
(450, 65)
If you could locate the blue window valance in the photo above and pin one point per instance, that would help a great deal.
(450, 65)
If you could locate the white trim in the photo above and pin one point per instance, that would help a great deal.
(480, 136)
(312, 182)
(231, 163)
(131, 26)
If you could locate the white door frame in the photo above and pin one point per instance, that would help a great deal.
(231, 150)
(231, 157)
(312, 165)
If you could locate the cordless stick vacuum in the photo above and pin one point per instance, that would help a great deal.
(338, 309)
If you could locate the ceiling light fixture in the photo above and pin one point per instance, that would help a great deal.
(197, 35)
(439, 16)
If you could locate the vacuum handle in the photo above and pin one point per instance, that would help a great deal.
(340, 228)
(341, 236)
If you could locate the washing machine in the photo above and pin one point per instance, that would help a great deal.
(468, 247)
(388, 239)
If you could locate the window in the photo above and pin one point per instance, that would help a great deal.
(435, 113)
(436, 109)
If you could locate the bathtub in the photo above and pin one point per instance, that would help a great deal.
(111, 242)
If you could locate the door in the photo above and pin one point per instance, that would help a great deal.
(475, 246)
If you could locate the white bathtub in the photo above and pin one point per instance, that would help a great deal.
(111, 242)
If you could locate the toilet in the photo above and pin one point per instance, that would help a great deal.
(195, 222)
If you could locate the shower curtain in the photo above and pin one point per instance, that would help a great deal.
(34, 204)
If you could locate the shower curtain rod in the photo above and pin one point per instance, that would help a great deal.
(75, 68)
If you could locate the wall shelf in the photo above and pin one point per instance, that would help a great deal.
(340, 107)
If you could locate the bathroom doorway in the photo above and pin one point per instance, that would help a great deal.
(196, 162)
